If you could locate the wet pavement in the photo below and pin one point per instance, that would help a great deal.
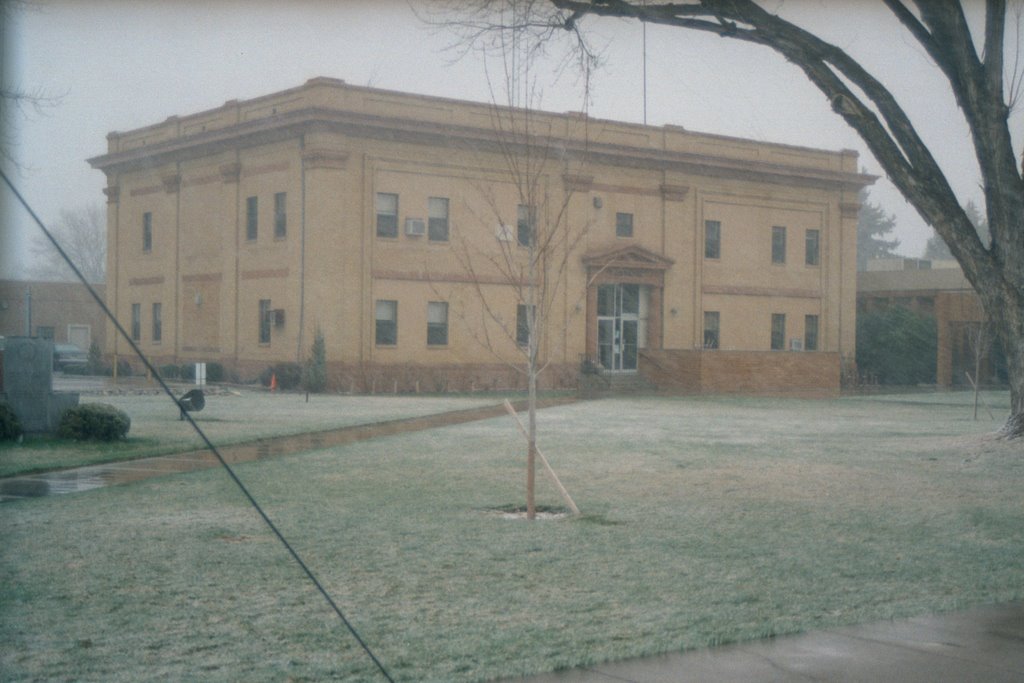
(127, 471)
(978, 644)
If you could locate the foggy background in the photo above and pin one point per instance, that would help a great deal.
(114, 65)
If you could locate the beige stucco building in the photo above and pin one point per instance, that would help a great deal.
(392, 222)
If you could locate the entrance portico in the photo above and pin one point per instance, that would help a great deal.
(625, 291)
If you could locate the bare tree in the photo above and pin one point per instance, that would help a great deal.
(985, 84)
(978, 338)
(15, 97)
(82, 234)
(534, 239)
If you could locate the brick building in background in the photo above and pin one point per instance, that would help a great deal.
(705, 263)
(938, 289)
(63, 312)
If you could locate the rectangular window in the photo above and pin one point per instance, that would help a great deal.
(386, 332)
(810, 333)
(387, 215)
(712, 239)
(812, 248)
(136, 322)
(437, 323)
(525, 224)
(147, 232)
(778, 244)
(623, 225)
(437, 220)
(778, 331)
(280, 215)
(523, 324)
(251, 218)
(265, 321)
(158, 328)
(710, 329)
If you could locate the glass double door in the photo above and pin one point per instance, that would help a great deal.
(618, 326)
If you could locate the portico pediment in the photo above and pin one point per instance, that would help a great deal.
(629, 257)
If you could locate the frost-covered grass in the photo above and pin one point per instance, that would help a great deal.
(705, 521)
(227, 418)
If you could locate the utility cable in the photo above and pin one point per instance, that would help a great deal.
(202, 435)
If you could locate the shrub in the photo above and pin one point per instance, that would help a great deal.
(124, 369)
(314, 373)
(898, 346)
(95, 363)
(94, 421)
(79, 369)
(214, 372)
(169, 371)
(10, 426)
(289, 375)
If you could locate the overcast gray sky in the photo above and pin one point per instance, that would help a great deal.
(119, 65)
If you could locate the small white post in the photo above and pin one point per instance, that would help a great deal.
(200, 374)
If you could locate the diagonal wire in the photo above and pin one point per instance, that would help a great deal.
(213, 449)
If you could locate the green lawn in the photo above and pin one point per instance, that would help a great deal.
(227, 418)
(705, 521)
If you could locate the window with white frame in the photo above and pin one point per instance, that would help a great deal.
(437, 220)
(386, 323)
(437, 323)
(387, 214)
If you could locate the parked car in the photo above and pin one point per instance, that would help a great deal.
(68, 354)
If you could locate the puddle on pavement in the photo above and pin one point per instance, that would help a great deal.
(128, 471)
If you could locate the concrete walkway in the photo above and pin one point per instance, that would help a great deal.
(978, 644)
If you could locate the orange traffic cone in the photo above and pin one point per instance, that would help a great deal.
(273, 381)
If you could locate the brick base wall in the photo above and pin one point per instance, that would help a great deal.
(742, 372)
(406, 378)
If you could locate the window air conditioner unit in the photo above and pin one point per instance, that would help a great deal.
(503, 233)
(796, 344)
(415, 227)
(277, 315)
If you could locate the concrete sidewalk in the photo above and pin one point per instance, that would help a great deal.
(978, 644)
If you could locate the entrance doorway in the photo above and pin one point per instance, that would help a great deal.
(621, 321)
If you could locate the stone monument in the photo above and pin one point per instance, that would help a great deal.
(28, 384)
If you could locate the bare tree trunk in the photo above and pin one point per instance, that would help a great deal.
(1011, 333)
(531, 452)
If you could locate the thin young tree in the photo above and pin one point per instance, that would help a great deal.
(986, 77)
(530, 253)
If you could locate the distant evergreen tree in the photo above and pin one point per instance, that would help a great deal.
(897, 346)
(936, 249)
(873, 224)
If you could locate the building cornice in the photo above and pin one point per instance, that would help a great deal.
(318, 119)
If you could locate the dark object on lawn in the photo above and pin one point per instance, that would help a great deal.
(192, 402)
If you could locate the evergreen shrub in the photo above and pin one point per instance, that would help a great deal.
(94, 421)
(10, 426)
